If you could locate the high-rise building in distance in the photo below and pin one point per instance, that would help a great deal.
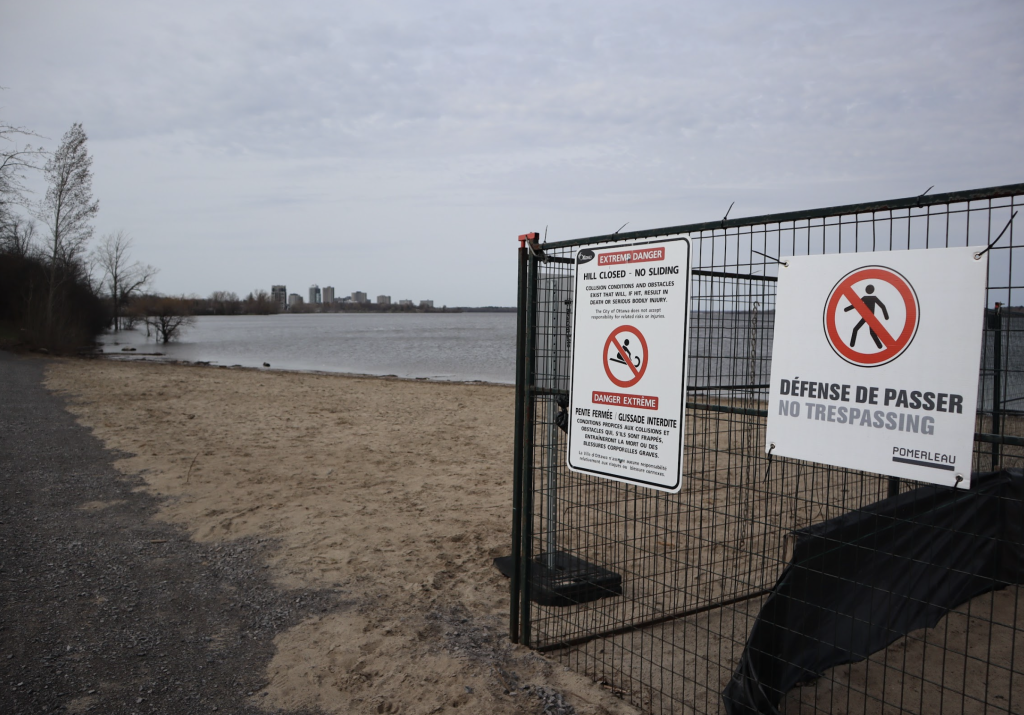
(328, 294)
(383, 300)
(358, 296)
(279, 294)
(314, 294)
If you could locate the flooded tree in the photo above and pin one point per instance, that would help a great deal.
(167, 317)
(122, 277)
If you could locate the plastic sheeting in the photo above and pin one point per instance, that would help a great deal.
(858, 582)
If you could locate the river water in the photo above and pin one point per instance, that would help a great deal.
(436, 346)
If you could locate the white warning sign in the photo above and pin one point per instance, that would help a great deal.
(628, 394)
(875, 362)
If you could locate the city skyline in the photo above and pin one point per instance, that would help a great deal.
(325, 295)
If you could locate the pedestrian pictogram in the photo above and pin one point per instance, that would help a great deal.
(877, 301)
(625, 356)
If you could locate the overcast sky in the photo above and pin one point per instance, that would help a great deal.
(400, 147)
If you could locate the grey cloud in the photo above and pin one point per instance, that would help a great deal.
(579, 111)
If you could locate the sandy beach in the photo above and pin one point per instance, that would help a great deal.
(393, 493)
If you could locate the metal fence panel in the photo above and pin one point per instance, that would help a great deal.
(696, 567)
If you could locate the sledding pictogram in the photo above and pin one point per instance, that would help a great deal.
(871, 316)
(625, 356)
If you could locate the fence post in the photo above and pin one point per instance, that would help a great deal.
(517, 456)
(995, 324)
(526, 504)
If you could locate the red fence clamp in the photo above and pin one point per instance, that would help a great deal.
(531, 236)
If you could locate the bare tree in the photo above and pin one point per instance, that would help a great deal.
(168, 317)
(17, 236)
(224, 303)
(122, 277)
(68, 210)
(16, 158)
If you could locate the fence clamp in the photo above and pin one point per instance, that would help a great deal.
(524, 237)
(768, 470)
(530, 241)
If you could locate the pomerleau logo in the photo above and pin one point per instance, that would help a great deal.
(585, 256)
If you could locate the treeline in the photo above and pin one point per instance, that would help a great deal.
(47, 306)
(58, 292)
(258, 302)
(47, 296)
(488, 309)
(351, 307)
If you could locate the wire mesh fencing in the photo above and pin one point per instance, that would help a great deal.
(685, 603)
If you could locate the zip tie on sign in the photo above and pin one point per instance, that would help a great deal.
(771, 258)
(977, 256)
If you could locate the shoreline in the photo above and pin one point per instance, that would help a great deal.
(128, 358)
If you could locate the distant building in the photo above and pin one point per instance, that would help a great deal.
(314, 294)
(406, 303)
(294, 300)
(426, 304)
(359, 296)
(328, 294)
(279, 294)
(383, 300)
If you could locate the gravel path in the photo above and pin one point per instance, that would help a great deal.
(102, 607)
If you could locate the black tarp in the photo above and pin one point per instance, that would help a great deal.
(860, 581)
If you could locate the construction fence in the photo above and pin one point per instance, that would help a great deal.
(698, 602)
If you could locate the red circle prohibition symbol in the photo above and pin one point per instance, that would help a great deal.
(624, 356)
(893, 345)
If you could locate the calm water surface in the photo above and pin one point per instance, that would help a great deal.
(438, 346)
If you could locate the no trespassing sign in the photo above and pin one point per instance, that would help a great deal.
(875, 362)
